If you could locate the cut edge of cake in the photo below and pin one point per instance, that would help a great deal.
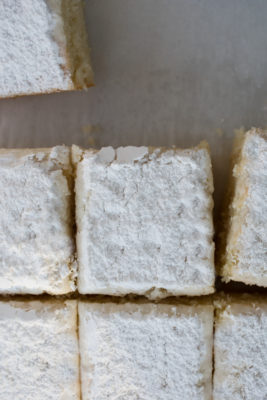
(231, 224)
(77, 49)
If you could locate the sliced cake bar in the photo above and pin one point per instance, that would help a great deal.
(144, 221)
(43, 47)
(39, 350)
(36, 236)
(240, 348)
(146, 351)
(244, 253)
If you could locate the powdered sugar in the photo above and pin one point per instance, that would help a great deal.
(145, 351)
(144, 219)
(35, 54)
(39, 351)
(241, 352)
(247, 243)
(36, 243)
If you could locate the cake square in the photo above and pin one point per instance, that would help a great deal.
(241, 349)
(244, 254)
(145, 351)
(36, 224)
(144, 221)
(43, 47)
(39, 350)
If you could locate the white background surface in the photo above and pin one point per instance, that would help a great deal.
(166, 72)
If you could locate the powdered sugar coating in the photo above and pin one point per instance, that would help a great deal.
(241, 352)
(29, 56)
(34, 47)
(246, 259)
(39, 351)
(145, 351)
(144, 219)
(36, 243)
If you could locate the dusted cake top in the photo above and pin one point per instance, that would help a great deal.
(144, 221)
(36, 238)
(246, 251)
(39, 350)
(146, 351)
(43, 47)
(241, 350)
